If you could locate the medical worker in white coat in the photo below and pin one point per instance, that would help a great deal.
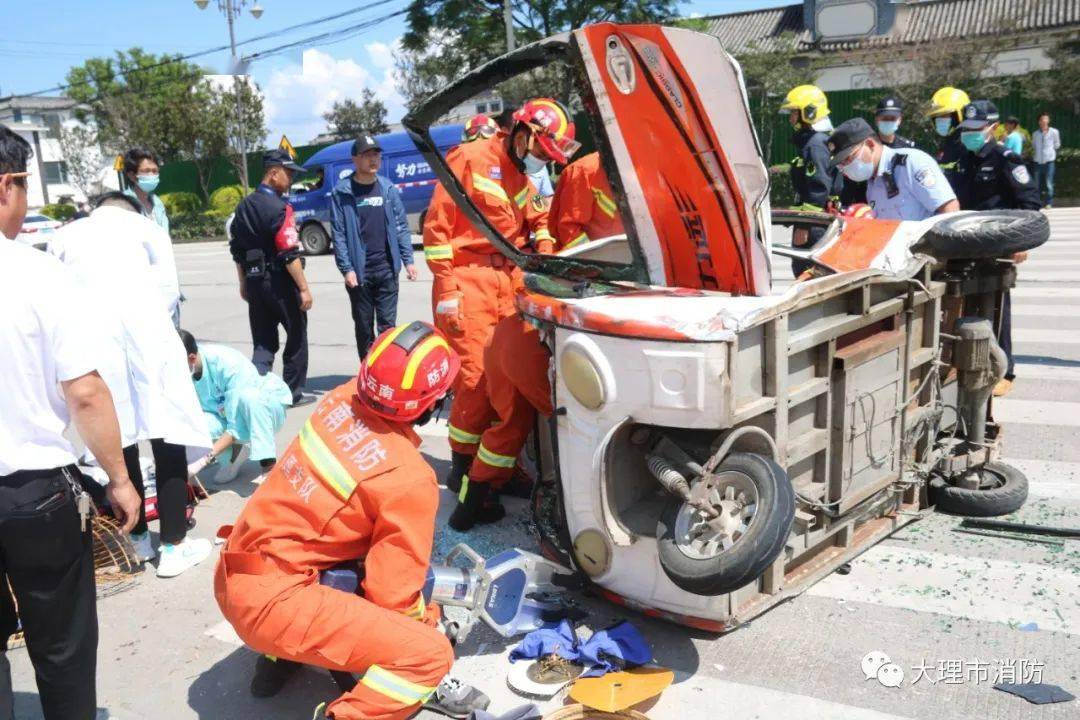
(117, 255)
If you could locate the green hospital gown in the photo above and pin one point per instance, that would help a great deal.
(237, 400)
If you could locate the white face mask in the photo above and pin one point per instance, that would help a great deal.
(533, 164)
(858, 170)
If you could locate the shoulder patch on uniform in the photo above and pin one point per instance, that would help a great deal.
(1020, 172)
(539, 203)
(496, 173)
(926, 178)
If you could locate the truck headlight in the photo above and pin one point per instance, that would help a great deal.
(585, 372)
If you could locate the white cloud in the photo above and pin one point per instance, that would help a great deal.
(296, 96)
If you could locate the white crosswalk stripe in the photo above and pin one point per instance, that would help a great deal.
(1050, 479)
(1057, 373)
(1046, 311)
(978, 588)
(1045, 335)
(1037, 412)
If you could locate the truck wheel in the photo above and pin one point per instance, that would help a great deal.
(1003, 489)
(711, 556)
(314, 239)
(986, 234)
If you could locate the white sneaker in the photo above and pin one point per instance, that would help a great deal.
(228, 472)
(143, 549)
(175, 559)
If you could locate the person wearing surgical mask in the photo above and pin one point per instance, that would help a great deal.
(945, 116)
(888, 117)
(901, 184)
(142, 175)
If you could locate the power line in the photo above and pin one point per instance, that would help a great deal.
(327, 38)
(220, 48)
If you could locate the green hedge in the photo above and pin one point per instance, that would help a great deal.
(225, 199)
(179, 203)
(58, 212)
(198, 226)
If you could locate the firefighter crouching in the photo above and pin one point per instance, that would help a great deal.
(474, 284)
(351, 486)
(584, 207)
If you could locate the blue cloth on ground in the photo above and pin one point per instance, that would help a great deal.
(615, 648)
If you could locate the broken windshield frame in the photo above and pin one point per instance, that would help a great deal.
(558, 48)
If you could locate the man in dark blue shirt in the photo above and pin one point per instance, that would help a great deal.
(371, 242)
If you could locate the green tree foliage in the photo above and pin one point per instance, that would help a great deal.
(769, 72)
(1060, 86)
(420, 73)
(347, 118)
(168, 105)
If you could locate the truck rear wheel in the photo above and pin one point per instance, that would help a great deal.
(713, 555)
(1002, 489)
(314, 239)
(985, 234)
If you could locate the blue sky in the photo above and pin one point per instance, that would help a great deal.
(39, 41)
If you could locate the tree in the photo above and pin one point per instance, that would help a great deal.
(347, 119)
(169, 106)
(769, 72)
(1061, 84)
(420, 73)
(81, 151)
(479, 33)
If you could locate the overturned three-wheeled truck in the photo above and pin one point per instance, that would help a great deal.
(718, 447)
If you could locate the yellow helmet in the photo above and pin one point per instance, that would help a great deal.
(948, 101)
(809, 100)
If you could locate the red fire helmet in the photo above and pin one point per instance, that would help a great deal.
(408, 369)
(552, 127)
(477, 127)
(858, 210)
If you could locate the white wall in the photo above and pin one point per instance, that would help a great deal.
(1019, 61)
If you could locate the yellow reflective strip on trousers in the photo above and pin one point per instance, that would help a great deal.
(461, 436)
(494, 459)
(374, 355)
(395, 687)
(576, 241)
(417, 357)
(522, 197)
(439, 252)
(606, 204)
(330, 470)
(464, 488)
(489, 186)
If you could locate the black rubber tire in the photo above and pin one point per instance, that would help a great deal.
(1007, 498)
(754, 552)
(314, 239)
(992, 234)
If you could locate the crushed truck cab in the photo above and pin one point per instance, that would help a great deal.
(717, 445)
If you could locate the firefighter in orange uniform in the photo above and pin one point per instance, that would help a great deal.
(474, 284)
(584, 208)
(351, 486)
(516, 368)
(479, 127)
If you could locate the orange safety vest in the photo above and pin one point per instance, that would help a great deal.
(506, 197)
(351, 485)
(584, 208)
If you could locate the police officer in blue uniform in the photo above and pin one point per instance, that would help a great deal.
(265, 247)
(901, 184)
(993, 178)
(887, 117)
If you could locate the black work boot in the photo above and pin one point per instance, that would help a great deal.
(477, 504)
(460, 463)
(271, 674)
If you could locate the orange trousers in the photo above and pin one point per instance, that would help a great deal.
(516, 366)
(293, 617)
(488, 298)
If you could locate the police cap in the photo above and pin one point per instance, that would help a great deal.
(978, 114)
(278, 156)
(846, 137)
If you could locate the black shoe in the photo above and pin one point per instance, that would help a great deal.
(519, 485)
(271, 675)
(479, 507)
(456, 699)
(460, 463)
(302, 398)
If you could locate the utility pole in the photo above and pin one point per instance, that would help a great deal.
(240, 144)
(232, 9)
(509, 20)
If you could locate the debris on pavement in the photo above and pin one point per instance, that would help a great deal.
(521, 712)
(1036, 693)
(623, 689)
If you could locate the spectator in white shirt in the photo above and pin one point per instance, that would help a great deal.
(1046, 141)
(48, 377)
